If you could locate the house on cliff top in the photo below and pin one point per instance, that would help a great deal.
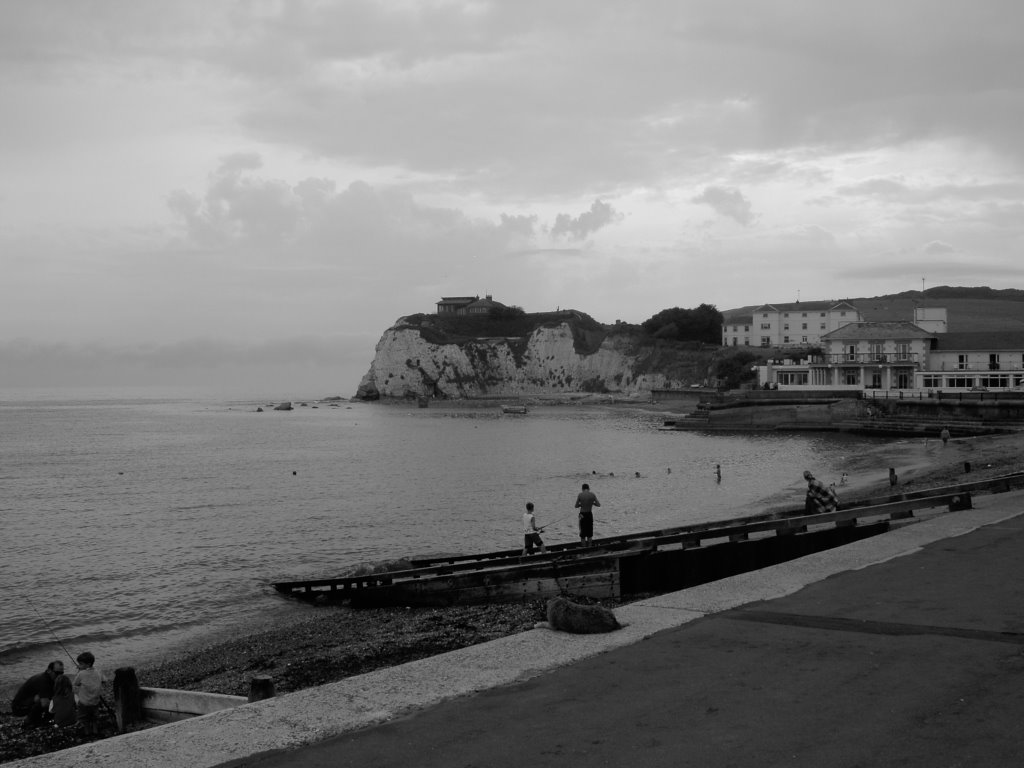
(467, 305)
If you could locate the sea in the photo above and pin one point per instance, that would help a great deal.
(139, 524)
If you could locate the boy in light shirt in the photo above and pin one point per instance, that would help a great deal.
(88, 688)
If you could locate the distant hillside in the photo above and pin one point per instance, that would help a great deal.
(969, 309)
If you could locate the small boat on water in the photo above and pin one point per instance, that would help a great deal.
(514, 409)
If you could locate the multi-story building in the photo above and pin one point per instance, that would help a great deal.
(975, 360)
(800, 324)
(904, 355)
(884, 355)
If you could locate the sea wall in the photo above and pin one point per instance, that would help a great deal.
(405, 364)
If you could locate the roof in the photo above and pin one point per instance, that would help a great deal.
(1012, 341)
(738, 320)
(486, 302)
(896, 329)
(807, 306)
(458, 299)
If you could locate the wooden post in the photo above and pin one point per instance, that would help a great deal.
(261, 687)
(127, 698)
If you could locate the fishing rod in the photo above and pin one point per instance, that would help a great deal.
(560, 519)
(60, 642)
(48, 627)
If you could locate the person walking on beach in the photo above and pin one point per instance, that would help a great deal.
(944, 434)
(585, 503)
(88, 687)
(531, 533)
(820, 498)
(33, 697)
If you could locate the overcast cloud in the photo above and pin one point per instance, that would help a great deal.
(252, 177)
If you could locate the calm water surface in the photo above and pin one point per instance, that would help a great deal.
(135, 526)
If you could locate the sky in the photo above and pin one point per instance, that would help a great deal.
(248, 194)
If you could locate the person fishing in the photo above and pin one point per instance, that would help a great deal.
(531, 533)
(32, 701)
(586, 500)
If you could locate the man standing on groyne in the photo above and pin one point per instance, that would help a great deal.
(585, 502)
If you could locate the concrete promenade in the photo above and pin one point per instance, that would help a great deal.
(905, 649)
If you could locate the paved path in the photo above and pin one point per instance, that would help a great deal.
(914, 662)
(904, 649)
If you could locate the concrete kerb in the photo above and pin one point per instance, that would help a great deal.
(315, 714)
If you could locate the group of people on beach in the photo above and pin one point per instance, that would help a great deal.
(54, 698)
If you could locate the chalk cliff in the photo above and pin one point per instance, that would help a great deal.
(554, 357)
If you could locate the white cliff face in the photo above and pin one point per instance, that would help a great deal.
(407, 365)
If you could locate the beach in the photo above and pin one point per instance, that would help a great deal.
(330, 643)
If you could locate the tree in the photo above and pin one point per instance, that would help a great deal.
(506, 313)
(703, 323)
(733, 371)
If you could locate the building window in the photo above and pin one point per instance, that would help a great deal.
(766, 341)
(851, 352)
(746, 341)
(804, 315)
(993, 362)
(803, 339)
(765, 315)
(876, 352)
(766, 326)
(931, 382)
(995, 382)
(842, 314)
(746, 329)
(785, 327)
(822, 314)
(798, 378)
(962, 382)
(803, 326)
(903, 351)
(850, 376)
(962, 362)
(785, 314)
(823, 326)
(785, 339)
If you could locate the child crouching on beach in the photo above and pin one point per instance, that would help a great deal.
(62, 705)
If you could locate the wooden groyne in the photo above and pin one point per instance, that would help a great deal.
(647, 561)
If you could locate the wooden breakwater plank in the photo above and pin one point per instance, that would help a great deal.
(667, 570)
(597, 578)
(166, 705)
(799, 524)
